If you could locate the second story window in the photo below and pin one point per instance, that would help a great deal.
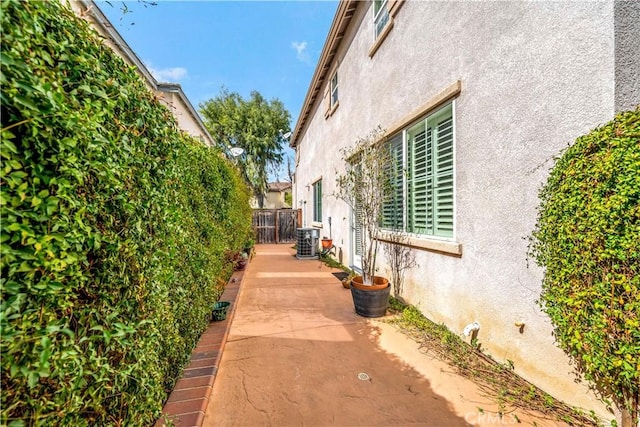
(380, 15)
(334, 88)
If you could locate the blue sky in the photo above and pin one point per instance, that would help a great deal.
(268, 46)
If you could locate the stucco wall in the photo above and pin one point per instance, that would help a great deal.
(168, 93)
(535, 75)
(273, 200)
(627, 42)
(185, 120)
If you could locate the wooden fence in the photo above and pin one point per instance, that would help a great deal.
(276, 225)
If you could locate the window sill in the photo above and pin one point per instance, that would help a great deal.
(432, 245)
(315, 224)
(383, 35)
(332, 110)
(395, 7)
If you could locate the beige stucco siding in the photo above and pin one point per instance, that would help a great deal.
(272, 200)
(534, 76)
(186, 121)
(170, 94)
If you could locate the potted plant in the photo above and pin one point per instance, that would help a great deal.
(365, 185)
(327, 243)
(248, 246)
(238, 259)
(241, 261)
(346, 282)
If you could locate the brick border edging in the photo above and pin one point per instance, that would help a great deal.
(187, 403)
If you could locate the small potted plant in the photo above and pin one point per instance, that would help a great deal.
(346, 282)
(248, 246)
(327, 243)
(365, 186)
(219, 311)
(241, 261)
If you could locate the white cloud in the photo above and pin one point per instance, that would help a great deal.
(170, 75)
(301, 51)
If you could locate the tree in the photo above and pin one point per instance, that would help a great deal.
(587, 238)
(365, 186)
(255, 125)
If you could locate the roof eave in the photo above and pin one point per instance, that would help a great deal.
(341, 20)
(101, 19)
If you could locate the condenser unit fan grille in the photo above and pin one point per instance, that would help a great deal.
(307, 243)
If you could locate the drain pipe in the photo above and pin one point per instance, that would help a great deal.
(303, 204)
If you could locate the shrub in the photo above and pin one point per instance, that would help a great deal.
(587, 238)
(114, 226)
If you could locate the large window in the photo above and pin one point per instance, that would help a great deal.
(317, 201)
(422, 168)
(380, 15)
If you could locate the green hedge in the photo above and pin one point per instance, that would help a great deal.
(114, 229)
(587, 238)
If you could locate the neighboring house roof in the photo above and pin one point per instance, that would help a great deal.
(341, 20)
(177, 89)
(106, 28)
(279, 186)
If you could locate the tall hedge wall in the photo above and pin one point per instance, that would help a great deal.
(114, 229)
(587, 238)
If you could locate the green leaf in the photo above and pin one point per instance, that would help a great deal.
(26, 102)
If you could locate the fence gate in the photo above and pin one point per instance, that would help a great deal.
(275, 225)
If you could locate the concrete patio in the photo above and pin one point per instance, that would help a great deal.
(293, 352)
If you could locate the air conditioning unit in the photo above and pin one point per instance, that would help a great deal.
(307, 243)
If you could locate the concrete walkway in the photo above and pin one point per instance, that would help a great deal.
(297, 354)
(292, 352)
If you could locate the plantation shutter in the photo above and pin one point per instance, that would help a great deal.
(392, 210)
(430, 180)
(420, 181)
(443, 183)
(357, 224)
(317, 201)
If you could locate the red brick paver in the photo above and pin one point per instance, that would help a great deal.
(188, 401)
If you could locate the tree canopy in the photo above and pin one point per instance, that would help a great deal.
(255, 125)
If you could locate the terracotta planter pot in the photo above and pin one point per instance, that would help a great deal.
(378, 283)
(327, 243)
